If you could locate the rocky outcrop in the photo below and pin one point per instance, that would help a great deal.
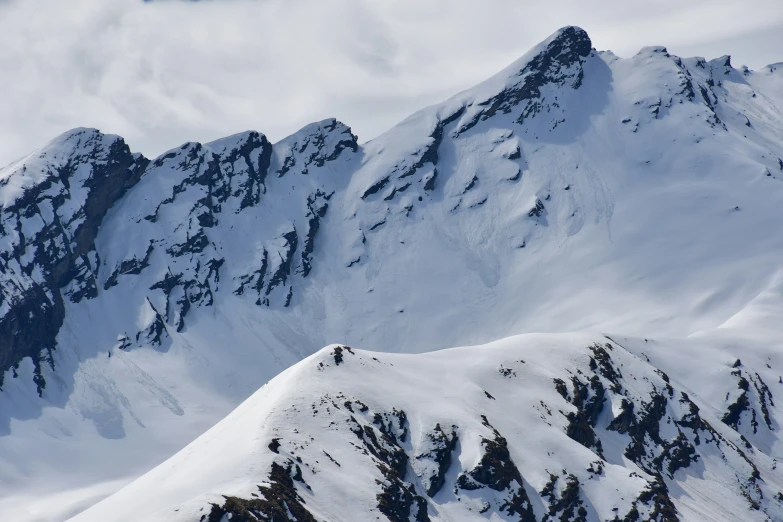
(53, 203)
(558, 63)
(434, 460)
(277, 502)
(497, 471)
(564, 502)
(588, 399)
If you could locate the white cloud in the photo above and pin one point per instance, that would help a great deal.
(165, 72)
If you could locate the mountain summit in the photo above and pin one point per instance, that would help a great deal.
(141, 300)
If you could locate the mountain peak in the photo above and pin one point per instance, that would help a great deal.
(568, 43)
(52, 203)
(562, 48)
(24, 174)
(516, 92)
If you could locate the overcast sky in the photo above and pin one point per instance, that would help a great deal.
(165, 72)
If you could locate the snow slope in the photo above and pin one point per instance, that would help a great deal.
(533, 427)
(573, 191)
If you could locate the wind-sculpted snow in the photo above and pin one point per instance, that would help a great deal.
(142, 300)
(319, 442)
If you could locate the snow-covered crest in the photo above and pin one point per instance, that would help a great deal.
(575, 190)
(538, 427)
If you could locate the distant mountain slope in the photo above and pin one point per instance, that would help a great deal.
(142, 300)
(537, 427)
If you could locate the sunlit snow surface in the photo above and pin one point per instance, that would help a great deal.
(314, 408)
(625, 203)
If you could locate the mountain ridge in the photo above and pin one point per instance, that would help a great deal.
(410, 447)
(555, 53)
(575, 190)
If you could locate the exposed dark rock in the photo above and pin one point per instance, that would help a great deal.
(255, 279)
(277, 502)
(561, 388)
(429, 182)
(396, 190)
(398, 499)
(129, 267)
(320, 143)
(554, 65)
(337, 353)
(711, 100)
(317, 205)
(441, 446)
(332, 459)
(194, 245)
(732, 416)
(516, 154)
(589, 402)
(498, 472)
(470, 185)
(253, 186)
(123, 342)
(657, 498)
(167, 285)
(236, 169)
(376, 187)
(400, 503)
(765, 398)
(641, 426)
(564, 504)
(686, 83)
(155, 332)
(280, 275)
(430, 152)
(61, 248)
(678, 454)
(378, 225)
(386, 424)
(692, 419)
(603, 362)
(506, 372)
(623, 422)
(537, 209)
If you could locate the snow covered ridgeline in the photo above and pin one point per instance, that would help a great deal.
(574, 190)
(531, 428)
(216, 219)
(213, 218)
(54, 202)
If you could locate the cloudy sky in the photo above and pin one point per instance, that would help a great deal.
(164, 72)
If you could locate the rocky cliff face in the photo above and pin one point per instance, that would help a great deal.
(55, 200)
(53, 203)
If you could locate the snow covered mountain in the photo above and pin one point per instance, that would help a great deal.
(535, 427)
(142, 300)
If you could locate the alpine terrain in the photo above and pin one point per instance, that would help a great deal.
(600, 234)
